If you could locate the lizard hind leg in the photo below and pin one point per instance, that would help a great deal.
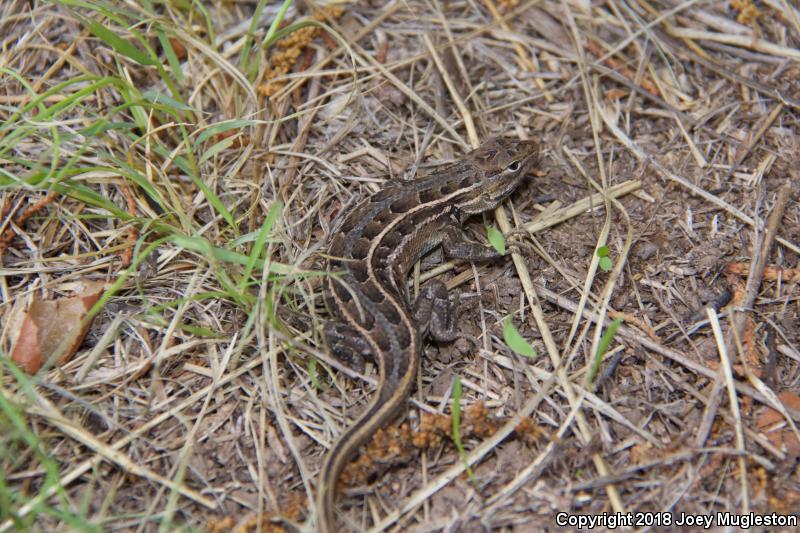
(347, 345)
(435, 313)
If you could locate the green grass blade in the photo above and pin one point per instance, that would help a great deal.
(200, 245)
(273, 214)
(172, 57)
(602, 348)
(221, 127)
(217, 148)
(121, 45)
(270, 38)
(247, 47)
(171, 103)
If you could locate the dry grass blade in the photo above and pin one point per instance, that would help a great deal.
(743, 41)
(733, 403)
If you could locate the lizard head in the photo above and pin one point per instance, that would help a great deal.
(500, 166)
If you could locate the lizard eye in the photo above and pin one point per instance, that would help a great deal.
(513, 166)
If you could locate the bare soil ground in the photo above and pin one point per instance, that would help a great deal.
(162, 150)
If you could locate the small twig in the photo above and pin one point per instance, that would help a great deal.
(761, 254)
(757, 270)
(744, 149)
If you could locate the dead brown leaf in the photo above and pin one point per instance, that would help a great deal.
(49, 323)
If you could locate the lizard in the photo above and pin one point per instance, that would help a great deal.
(369, 260)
